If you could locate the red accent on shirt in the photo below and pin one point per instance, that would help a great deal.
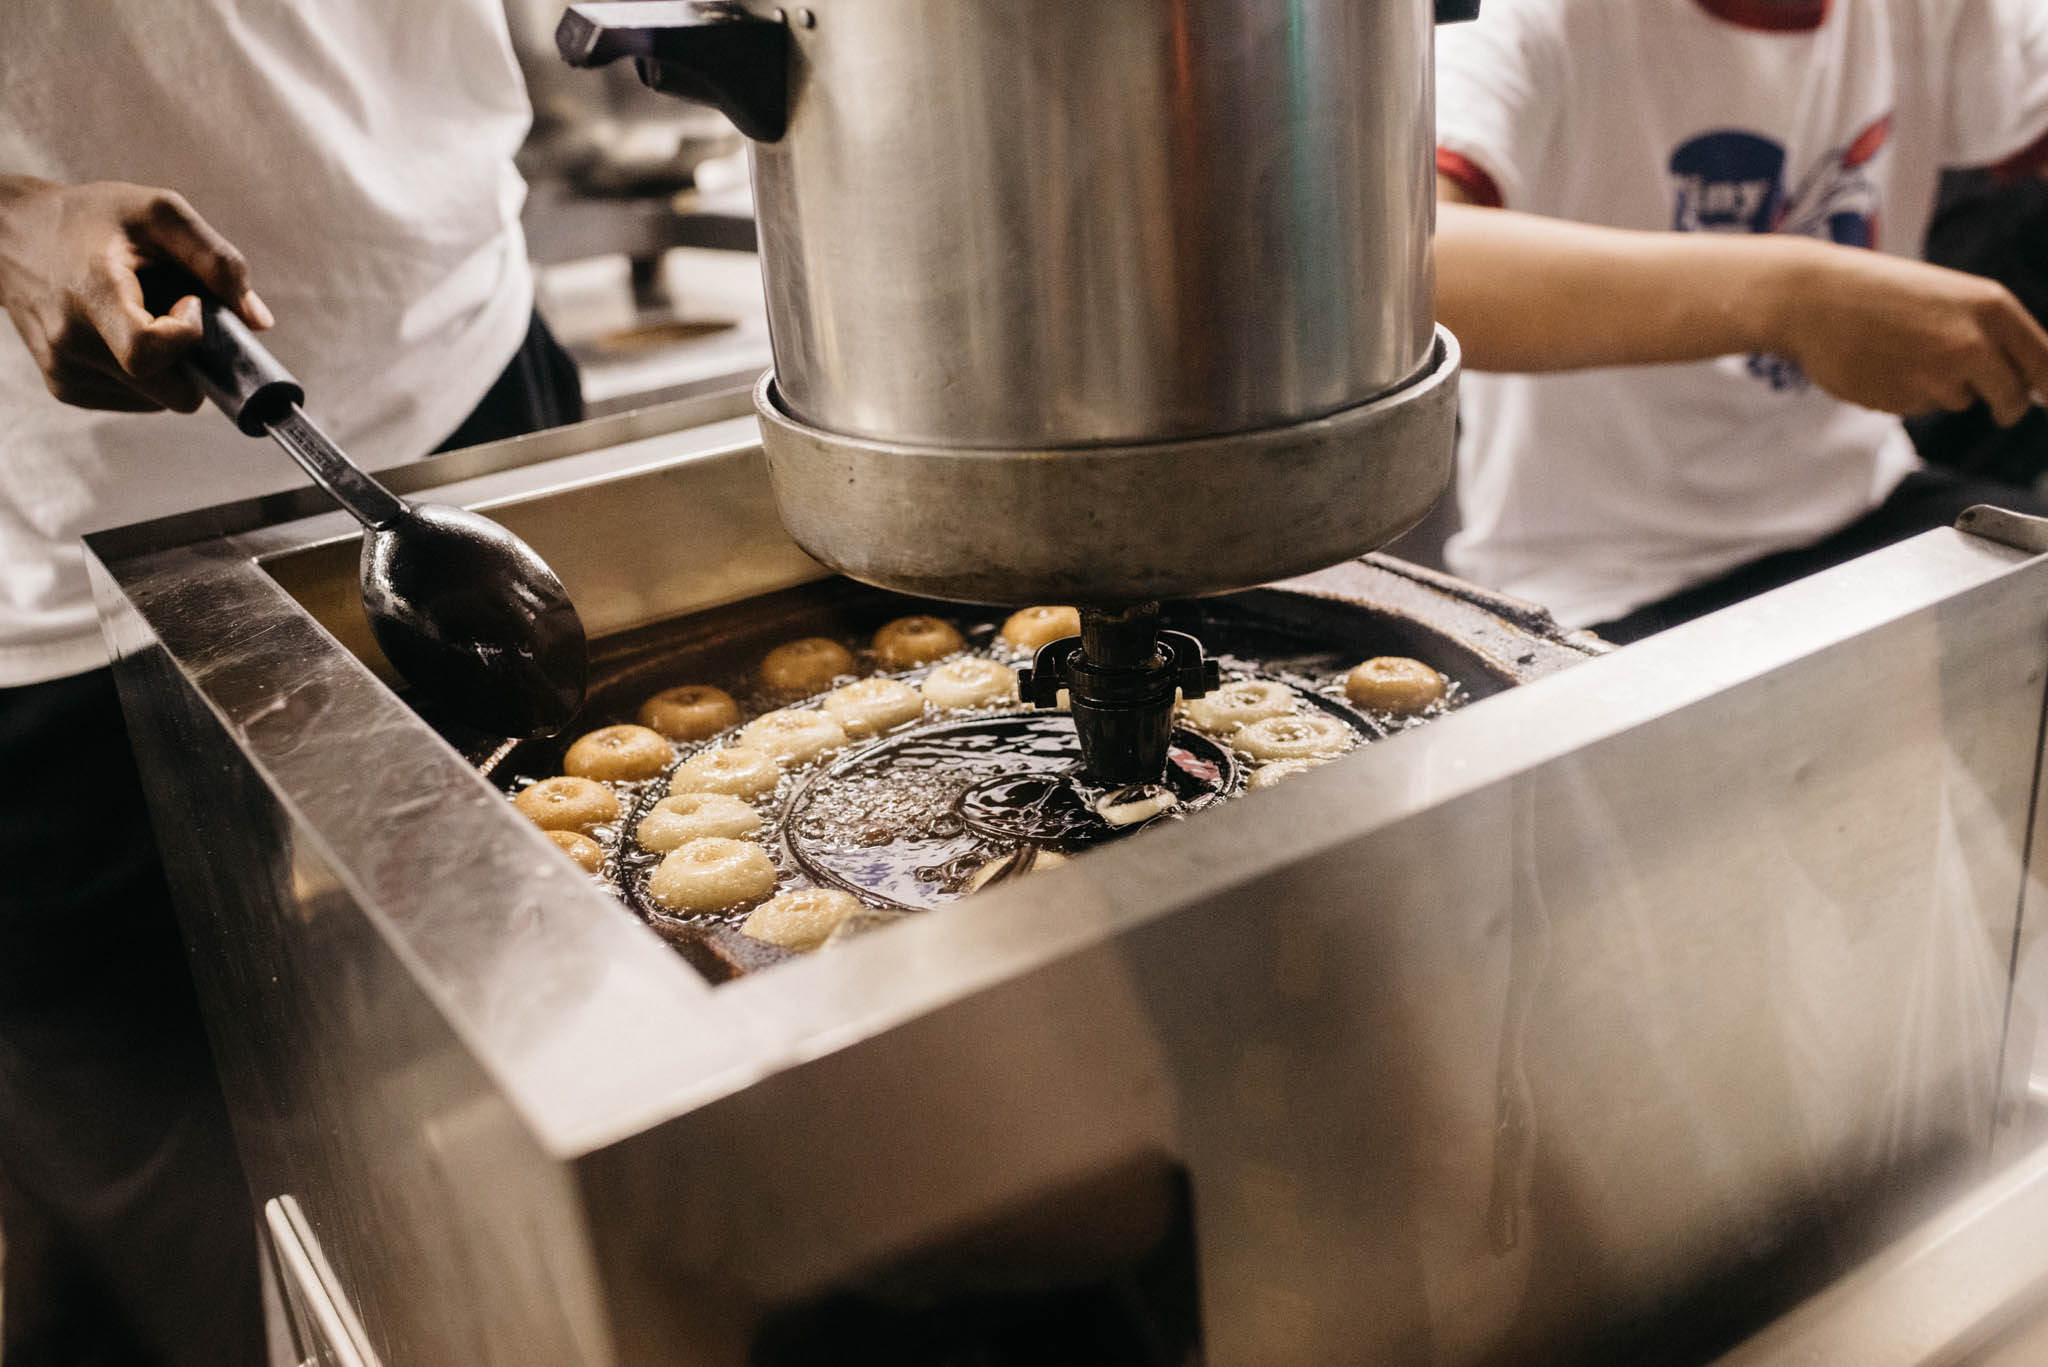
(1469, 176)
(2032, 162)
(1869, 142)
(1802, 17)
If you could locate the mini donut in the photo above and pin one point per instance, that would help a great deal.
(805, 666)
(618, 754)
(1279, 771)
(713, 873)
(1312, 735)
(692, 816)
(692, 712)
(803, 919)
(1394, 683)
(872, 706)
(794, 735)
(1224, 710)
(1031, 628)
(568, 804)
(972, 682)
(909, 642)
(736, 770)
(586, 853)
(1018, 862)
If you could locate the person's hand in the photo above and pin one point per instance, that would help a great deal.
(68, 257)
(1907, 337)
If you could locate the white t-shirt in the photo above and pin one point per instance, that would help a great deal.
(1594, 493)
(359, 152)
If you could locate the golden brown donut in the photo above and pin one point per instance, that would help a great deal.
(872, 706)
(1223, 710)
(1031, 628)
(793, 736)
(972, 682)
(568, 804)
(618, 754)
(909, 642)
(805, 666)
(803, 919)
(736, 769)
(1394, 684)
(683, 817)
(712, 874)
(586, 853)
(1312, 735)
(691, 712)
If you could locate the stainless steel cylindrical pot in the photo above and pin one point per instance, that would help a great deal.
(1014, 223)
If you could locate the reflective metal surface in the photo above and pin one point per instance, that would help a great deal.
(1592, 1023)
(1115, 524)
(1013, 224)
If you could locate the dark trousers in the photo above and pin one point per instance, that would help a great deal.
(130, 1233)
(1927, 499)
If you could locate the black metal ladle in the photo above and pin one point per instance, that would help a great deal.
(464, 610)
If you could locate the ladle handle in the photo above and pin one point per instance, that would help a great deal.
(229, 365)
(262, 398)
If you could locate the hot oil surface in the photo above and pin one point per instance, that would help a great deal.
(927, 812)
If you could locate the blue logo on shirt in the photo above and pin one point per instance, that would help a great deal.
(1734, 182)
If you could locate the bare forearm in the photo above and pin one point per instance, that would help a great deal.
(1525, 293)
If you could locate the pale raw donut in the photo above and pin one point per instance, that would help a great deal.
(909, 642)
(1313, 735)
(794, 736)
(1225, 709)
(712, 874)
(1030, 628)
(805, 666)
(1015, 864)
(587, 854)
(692, 816)
(1279, 771)
(873, 706)
(803, 919)
(736, 769)
(972, 682)
(568, 804)
(618, 754)
(1394, 683)
(692, 712)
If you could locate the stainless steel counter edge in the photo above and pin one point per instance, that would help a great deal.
(563, 974)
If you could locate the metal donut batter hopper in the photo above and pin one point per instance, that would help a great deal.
(1083, 304)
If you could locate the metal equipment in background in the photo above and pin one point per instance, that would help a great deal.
(1098, 305)
(1596, 1022)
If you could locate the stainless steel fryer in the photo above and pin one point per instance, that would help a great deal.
(1595, 1022)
